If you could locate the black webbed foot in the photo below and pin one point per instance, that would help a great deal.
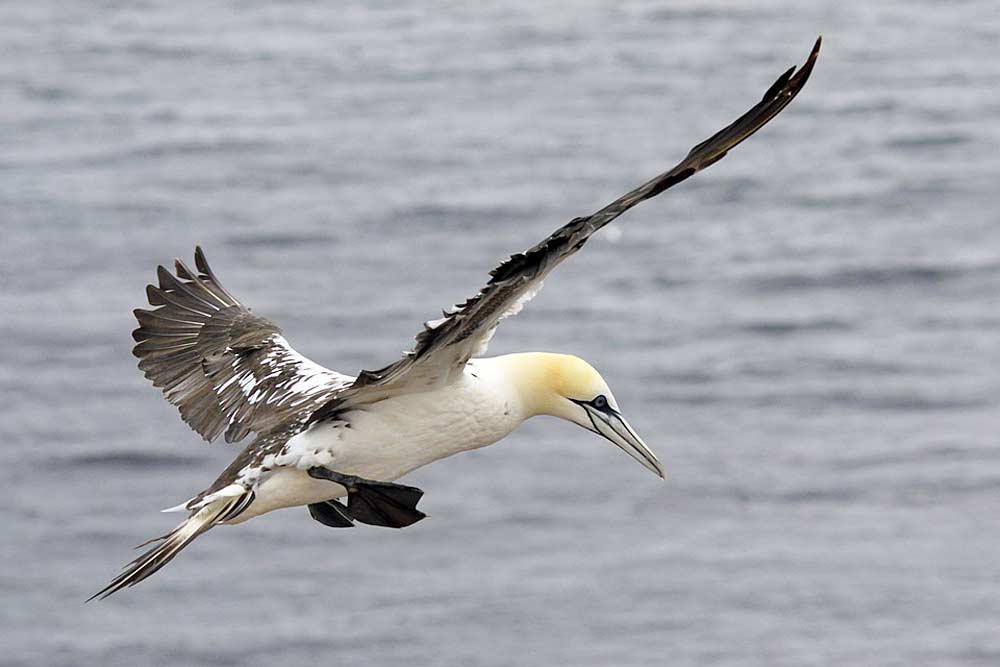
(331, 513)
(375, 503)
(382, 504)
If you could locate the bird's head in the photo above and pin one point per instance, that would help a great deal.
(568, 387)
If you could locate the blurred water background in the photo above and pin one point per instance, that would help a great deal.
(807, 333)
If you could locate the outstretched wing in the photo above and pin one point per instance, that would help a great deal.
(225, 368)
(444, 346)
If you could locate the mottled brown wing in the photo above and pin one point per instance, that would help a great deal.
(444, 346)
(225, 368)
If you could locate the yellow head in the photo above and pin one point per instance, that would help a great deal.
(567, 387)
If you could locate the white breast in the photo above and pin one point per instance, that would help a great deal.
(388, 439)
(398, 435)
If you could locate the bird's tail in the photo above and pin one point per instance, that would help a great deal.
(170, 544)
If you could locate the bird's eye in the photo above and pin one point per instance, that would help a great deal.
(600, 402)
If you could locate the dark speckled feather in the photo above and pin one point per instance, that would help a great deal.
(226, 369)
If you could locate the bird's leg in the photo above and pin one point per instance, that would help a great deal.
(375, 503)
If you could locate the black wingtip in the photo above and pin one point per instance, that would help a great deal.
(811, 60)
(163, 277)
(790, 76)
(201, 262)
(778, 85)
(803, 74)
(153, 296)
(182, 270)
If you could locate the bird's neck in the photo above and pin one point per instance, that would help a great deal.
(533, 377)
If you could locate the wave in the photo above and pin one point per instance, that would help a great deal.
(132, 460)
(854, 277)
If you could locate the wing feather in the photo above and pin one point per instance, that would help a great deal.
(226, 369)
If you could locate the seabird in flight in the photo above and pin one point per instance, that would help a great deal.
(337, 443)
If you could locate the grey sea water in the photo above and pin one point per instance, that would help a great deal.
(807, 333)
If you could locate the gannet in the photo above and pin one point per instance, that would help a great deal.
(321, 436)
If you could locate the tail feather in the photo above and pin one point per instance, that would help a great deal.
(171, 544)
